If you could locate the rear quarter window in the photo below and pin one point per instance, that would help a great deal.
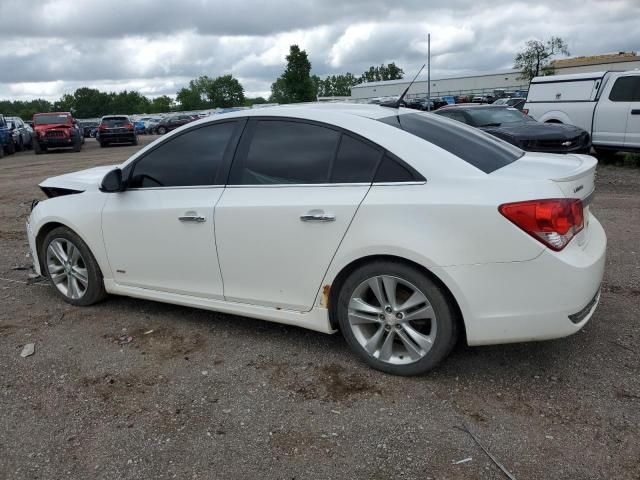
(475, 147)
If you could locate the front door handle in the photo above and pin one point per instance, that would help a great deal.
(635, 111)
(192, 217)
(317, 216)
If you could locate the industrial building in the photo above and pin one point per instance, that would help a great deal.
(488, 83)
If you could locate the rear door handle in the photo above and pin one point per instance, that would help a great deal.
(317, 216)
(635, 111)
(192, 217)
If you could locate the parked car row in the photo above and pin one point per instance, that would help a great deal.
(15, 135)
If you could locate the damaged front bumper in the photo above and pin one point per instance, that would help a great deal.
(33, 249)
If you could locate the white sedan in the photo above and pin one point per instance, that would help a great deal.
(403, 230)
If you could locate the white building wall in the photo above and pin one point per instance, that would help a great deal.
(470, 85)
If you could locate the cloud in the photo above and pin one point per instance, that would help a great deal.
(157, 47)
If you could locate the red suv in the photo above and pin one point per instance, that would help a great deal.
(56, 130)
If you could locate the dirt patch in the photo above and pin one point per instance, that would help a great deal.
(164, 342)
(330, 383)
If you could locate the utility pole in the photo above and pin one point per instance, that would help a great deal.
(428, 72)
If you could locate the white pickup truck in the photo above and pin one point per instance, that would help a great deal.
(605, 104)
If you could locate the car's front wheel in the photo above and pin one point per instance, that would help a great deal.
(71, 268)
(396, 318)
(162, 130)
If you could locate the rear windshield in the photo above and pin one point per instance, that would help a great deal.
(50, 119)
(480, 149)
(112, 122)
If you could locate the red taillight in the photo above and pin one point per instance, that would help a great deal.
(554, 222)
(102, 127)
(525, 111)
(129, 126)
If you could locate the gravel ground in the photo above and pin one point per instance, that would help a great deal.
(204, 395)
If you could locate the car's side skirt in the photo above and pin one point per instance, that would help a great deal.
(316, 319)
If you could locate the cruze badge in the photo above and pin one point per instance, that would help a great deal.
(578, 188)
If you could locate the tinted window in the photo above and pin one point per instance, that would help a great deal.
(285, 152)
(112, 122)
(356, 161)
(458, 116)
(392, 171)
(480, 149)
(626, 89)
(192, 158)
(494, 117)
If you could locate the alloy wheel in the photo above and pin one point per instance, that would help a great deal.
(67, 268)
(392, 320)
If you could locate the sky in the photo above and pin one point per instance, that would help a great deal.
(157, 46)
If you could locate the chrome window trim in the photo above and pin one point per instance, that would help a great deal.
(188, 187)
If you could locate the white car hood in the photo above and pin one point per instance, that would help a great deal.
(82, 180)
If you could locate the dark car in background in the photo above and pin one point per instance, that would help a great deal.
(21, 132)
(56, 130)
(171, 123)
(116, 129)
(511, 125)
(6, 140)
(422, 103)
(89, 129)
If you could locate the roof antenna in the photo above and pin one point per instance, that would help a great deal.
(397, 103)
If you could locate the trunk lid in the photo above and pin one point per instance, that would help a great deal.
(573, 174)
(82, 180)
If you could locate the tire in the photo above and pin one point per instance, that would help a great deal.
(73, 278)
(37, 149)
(77, 144)
(434, 314)
(11, 148)
(103, 144)
(135, 140)
(1, 151)
(20, 146)
(162, 131)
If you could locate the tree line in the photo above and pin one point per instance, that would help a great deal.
(296, 84)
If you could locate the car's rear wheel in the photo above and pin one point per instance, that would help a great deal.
(135, 140)
(11, 148)
(396, 318)
(103, 144)
(20, 146)
(162, 130)
(71, 268)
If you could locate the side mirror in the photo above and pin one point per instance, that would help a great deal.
(112, 182)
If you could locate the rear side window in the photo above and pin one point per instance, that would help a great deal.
(626, 89)
(475, 147)
(394, 171)
(190, 159)
(286, 152)
(356, 161)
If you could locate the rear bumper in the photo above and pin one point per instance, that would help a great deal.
(549, 297)
(117, 137)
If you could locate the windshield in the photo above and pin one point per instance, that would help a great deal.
(474, 146)
(53, 119)
(494, 117)
(112, 122)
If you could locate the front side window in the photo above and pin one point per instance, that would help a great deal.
(626, 89)
(190, 159)
(286, 152)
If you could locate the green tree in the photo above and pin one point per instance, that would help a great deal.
(295, 84)
(225, 92)
(90, 102)
(194, 96)
(383, 72)
(254, 101)
(536, 58)
(161, 104)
